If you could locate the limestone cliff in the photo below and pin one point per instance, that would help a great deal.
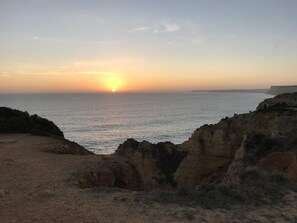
(156, 163)
(220, 152)
(282, 89)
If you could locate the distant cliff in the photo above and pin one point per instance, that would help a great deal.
(282, 89)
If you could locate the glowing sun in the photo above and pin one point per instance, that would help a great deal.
(111, 83)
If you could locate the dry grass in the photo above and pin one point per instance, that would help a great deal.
(256, 189)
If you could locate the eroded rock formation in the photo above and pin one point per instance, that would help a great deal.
(219, 153)
(263, 140)
(287, 100)
(110, 172)
(156, 163)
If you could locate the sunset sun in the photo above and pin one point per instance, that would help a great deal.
(112, 83)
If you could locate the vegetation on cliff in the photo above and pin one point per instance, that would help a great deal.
(15, 121)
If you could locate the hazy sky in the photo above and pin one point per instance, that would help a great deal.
(137, 45)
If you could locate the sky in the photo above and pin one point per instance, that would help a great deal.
(155, 45)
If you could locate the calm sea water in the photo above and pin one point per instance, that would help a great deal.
(100, 122)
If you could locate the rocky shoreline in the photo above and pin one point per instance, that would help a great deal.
(221, 170)
(219, 153)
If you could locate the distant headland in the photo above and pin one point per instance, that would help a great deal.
(282, 89)
(275, 90)
(234, 90)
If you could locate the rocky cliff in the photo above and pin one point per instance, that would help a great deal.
(231, 167)
(15, 121)
(263, 140)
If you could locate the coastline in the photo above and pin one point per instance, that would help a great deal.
(58, 180)
(117, 117)
(234, 91)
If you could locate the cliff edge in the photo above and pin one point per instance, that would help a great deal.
(264, 140)
(15, 121)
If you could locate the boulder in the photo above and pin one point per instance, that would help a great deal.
(111, 172)
(156, 163)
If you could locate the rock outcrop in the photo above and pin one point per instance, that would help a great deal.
(156, 163)
(110, 171)
(67, 147)
(220, 153)
(15, 121)
(281, 101)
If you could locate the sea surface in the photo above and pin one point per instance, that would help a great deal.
(102, 121)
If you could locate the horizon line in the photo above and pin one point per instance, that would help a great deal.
(131, 91)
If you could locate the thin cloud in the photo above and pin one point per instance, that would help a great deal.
(171, 27)
(41, 72)
(62, 70)
(73, 41)
(141, 29)
(99, 72)
(164, 27)
(99, 64)
(5, 75)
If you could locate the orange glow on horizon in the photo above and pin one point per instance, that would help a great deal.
(111, 82)
(134, 79)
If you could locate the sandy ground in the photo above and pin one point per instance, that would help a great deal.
(37, 186)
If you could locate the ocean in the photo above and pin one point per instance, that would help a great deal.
(102, 121)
